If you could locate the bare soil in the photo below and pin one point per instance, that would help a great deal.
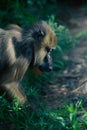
(71, 84)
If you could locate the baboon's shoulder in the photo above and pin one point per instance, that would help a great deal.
(13, 27)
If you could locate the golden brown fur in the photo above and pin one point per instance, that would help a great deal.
(20, 49)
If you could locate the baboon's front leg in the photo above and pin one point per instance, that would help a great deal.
(14, 90)
(10, 81)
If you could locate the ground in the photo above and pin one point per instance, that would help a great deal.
(71, 84)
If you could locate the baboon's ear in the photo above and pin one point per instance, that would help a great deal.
(39, 34)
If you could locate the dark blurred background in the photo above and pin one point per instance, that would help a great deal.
(24, 12)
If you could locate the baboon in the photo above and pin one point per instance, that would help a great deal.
(22, 48)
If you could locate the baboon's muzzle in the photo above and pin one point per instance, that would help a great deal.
(47, 66)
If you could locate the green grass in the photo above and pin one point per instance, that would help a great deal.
(68, 117)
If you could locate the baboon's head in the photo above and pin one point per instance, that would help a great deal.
(44, 42)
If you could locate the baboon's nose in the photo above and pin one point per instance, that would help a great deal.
(50, 68)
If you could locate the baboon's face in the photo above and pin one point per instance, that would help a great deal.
(45, 43)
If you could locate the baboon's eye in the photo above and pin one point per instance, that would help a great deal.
(53, 49)
(48, 49)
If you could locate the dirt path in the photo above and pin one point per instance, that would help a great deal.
(71, 84)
